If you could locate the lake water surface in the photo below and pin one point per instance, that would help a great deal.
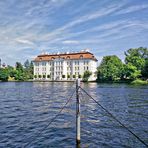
(27, 107)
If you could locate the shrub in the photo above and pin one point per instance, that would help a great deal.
(74, 76)
(63, 76)
(139, 82)
(48, 76)
(86, 75)
(80, 76)
(68, 76)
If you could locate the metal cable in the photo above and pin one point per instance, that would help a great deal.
(51, 121)
(111, 115)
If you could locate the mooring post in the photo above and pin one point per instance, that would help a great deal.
(77, 113)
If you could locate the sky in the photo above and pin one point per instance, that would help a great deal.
(106, 27)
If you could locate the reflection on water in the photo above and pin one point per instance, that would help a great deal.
(25, 108)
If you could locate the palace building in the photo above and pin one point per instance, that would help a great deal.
(64, 66)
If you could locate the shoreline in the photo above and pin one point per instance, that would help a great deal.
(135, 82)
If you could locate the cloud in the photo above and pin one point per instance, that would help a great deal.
(60, 25)
(84, 18)
(24, 41)
(132, 9)
(70, 42)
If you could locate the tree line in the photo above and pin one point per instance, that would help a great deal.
(19, 72)
(135, 66)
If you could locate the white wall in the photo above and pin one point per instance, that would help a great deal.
(77, 67)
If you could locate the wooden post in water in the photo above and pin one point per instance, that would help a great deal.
(77, 114)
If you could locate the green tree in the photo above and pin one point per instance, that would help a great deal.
(86, 75)
(4, 74)
(145, 69)
(137, 57)
(131, 72)
(28, 69)
(19, 67)
(110, 69)
(11, 71)
(27, 64)
(20, 76)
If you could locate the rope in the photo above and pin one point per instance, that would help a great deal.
(51, 121)
(111, 115)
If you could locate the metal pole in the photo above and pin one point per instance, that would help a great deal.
(77, 113)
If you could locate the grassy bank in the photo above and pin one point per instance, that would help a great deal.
(135, 82)
(139, 82)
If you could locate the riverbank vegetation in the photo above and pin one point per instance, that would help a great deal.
(133, 70)
(18, 73)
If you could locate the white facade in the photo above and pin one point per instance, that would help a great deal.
(64, 69)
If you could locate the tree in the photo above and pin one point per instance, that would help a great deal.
(11, 71)
(28, 69)
(86, 75)
(20, 76)
(4, 75)
(131, 72)
(145, 69)
(137, 57)
(19, 67)
(110, 69)
(27, 64)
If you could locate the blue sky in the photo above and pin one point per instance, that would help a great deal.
(106, 27)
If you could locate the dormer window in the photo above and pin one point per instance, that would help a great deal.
(68, 57)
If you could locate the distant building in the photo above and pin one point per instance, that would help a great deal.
(2, 65)
(64, 66)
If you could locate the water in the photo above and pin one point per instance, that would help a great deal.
(27, 107)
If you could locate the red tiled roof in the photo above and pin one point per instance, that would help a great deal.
(70, 56)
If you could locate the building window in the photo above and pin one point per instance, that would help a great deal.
(81, 56)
